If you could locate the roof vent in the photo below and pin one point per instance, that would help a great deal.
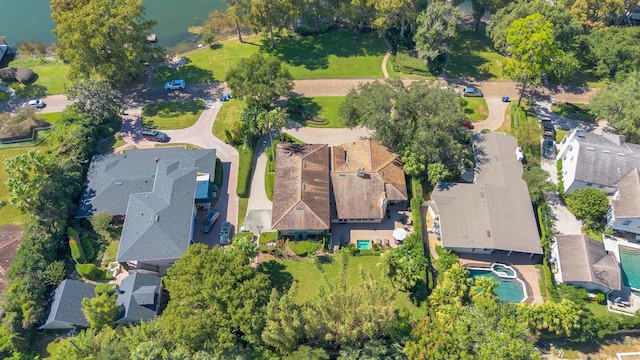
(488, 233)
(360, 173)
(304, 186)
(299, 208)
(117, 183)
(606, 151)
(622, 154)
(591, 148)
(157, 217)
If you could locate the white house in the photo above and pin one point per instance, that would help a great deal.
(597, 161)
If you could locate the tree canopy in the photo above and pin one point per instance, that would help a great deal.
(435, 29)
(260, 80)
(530, 42)
(418, 120)
(588, 204)
(103, 38)
(614, 50)
(615, 104)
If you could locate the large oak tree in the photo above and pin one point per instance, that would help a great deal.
(103, 38)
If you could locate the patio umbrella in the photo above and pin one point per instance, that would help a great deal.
(399, 234)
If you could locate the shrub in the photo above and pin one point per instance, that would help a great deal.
(89, 271)
(76, 251)
(8, 74)
(24, 75)
(88, 248)
(599, 298)
(104, 288)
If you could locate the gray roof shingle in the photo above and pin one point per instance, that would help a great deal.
(495, 212)
(65, 310)
(583, 259)
(159, 224)
(628, 203)
(603, 159)
(113, 178)
(140, 296)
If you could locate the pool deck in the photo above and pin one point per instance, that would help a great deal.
(524, 266)
(398, 217)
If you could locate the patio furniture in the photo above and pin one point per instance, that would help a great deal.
(387, 243)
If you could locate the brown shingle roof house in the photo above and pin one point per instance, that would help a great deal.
(301, 193)
(365, 177)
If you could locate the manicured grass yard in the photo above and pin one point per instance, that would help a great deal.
(324, 107)
(476, 109)
(52, 78)
(333, 55)
(172, 115)
(228, 118)
(473, 56)
(244, 171)
(309, 278)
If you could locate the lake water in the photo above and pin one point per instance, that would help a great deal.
(30, 20)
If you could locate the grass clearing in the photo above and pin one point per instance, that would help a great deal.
(244, 171)
(473, 57)
(318, 111)
(228, 119)
(334, 55)
(242, 210)
(560, 135)
(52, 77)
(172, 115)
(309, 278)
(476, 109)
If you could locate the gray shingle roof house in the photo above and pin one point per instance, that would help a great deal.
(624, 214)
(592, 160)
(113, 178)
(140, 295)
(582, 261)
(301, 194)
(365, 177)
(495, 212)
(65, 308)
(158, 226)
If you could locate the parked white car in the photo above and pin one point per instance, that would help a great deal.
(34, 104)
(174, 85)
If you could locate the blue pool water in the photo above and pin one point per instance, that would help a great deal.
(630, 264)
(499, 268)
(509, 290)
(364, 244)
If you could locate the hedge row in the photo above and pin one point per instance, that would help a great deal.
(416, 203)
(77, 252)
(90, 271)
(88, 248)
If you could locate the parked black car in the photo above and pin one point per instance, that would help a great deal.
(549, 129)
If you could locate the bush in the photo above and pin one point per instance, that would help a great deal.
(76, 251)
(24, 75)
(8, 74)
(416, 203)
(599, 298)
(90, 271)
(88, 249)
(104, 288)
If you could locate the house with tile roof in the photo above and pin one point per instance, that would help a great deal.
(581, 261)
(65, 306)
(493, 214)
(366, 177)
(316, 185)
(596, 161)
(624, 213)
(301, 191)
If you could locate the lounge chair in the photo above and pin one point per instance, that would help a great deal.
(387, 243)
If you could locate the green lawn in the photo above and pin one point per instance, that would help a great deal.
(560, 135)
(267, 237)
(309, 278)
(320, 108)
(244, 171)
(473, 57)
(476, 109)
(269, 182)
(228, 118)
(242, 210)
(52, 78)
(333, 55)
(172, 115)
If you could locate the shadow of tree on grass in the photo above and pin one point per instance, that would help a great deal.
(280, 278)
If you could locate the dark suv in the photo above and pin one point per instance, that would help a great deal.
(549, 129)
(155, 135)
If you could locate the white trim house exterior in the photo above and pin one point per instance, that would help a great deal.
(624, 213)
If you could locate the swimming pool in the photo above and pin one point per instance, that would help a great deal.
(630, 264)
(509, 289)
(364, 244)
